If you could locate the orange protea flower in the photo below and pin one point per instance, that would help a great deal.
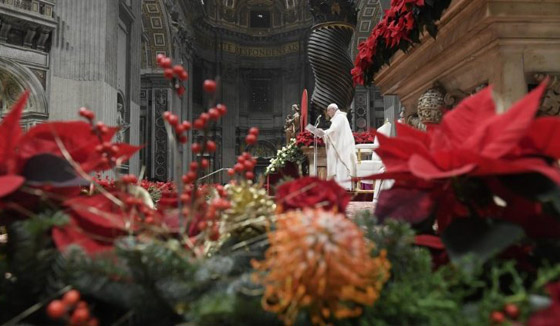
(320, 261)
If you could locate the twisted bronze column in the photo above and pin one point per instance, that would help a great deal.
(331, 64)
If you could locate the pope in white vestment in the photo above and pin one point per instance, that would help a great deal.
(341, 148)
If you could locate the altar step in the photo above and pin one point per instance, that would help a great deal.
(356, 206)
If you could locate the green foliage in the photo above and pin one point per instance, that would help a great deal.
(290, 153)
(158, 282)
(27, 261)
(473, 239)
(418, 295)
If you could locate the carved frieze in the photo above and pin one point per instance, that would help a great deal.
(550, 105)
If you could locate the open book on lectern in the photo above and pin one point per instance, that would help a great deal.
(315, 131)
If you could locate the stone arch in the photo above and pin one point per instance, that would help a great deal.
(262, 149)
(156, 33)
(14, 79)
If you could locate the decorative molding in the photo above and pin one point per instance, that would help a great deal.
(160, 141)
(15, 78)
(455, 96)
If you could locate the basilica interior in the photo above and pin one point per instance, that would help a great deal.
(280, 162)
(101, 55)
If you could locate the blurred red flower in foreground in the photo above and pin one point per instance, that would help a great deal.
(549, 316)
(434, 169)
(44, 145)
(311, 192)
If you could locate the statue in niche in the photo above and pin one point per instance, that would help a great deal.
(124, 126)
(291, 127)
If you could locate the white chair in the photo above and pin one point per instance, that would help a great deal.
(372, 164)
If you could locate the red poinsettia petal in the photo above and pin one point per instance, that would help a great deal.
(9, 184)
(546, 317)
(423, 168)
(543, 138)
(10, 132)
(488, 166)
(75, 137)
(405, 131)
(430, 241)
(554, 291)
(460, 123)
(124, 153)
(499, 135)
(71, 234)
(419, 204)
(395, 152)
(98, 211)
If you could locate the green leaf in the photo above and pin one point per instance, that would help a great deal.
(478, 239)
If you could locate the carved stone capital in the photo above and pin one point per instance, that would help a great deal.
(550, 105)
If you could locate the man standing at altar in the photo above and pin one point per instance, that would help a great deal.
(341, 148)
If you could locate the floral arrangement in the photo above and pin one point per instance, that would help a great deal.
(306, 139)
(76, 252)
(363, 137)
(155, 189)
(290, 153)
(401, 27)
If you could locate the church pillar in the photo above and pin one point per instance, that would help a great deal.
(328, 53)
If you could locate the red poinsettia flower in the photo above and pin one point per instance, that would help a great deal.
(471, 141)
(10, 132)
(307, 139)
(311, 192)
(551, 315)
(46, 143)
(97, 221)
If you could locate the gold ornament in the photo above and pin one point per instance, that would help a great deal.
(431, 105)
(250, 214)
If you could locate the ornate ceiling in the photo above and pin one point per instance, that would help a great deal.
(258, 17)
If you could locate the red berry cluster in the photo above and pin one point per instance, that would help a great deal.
(108, 152)
(210, 86)
(245, 165)
(139, 210)
(211, 220)
(129, 179)
(177, 74)
(88, 114)
(251, 138)
(203, 121)
(510, 310)
(106, 149)
(72, 310)
(181, 128)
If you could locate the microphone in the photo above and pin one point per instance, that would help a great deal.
(318, 120)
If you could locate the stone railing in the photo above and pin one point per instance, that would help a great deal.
(42, 7)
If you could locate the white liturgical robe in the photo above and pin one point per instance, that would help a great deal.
(341, 150)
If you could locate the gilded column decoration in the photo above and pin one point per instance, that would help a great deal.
(551, 100)
(431, 105)
(161, 148)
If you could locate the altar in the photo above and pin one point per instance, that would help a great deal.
(321, 161)
(509, 44)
